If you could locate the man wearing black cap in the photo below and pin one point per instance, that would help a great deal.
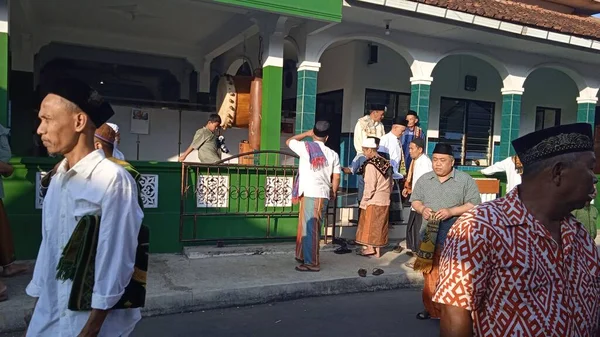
(440, 197)
(369, 125)
(389, 148)
(412, 132)
(318, 180)
(522, 265)
(85, 186)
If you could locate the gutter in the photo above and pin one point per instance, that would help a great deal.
(476, 20)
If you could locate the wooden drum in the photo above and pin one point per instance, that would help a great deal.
(233, 101)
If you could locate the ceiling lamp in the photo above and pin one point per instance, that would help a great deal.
(387, 27)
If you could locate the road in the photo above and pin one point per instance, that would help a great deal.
(381, 314)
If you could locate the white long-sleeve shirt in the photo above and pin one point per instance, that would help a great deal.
(507, 165)
(421, 166)
(364, 128)
(389, 144)
(93, 186)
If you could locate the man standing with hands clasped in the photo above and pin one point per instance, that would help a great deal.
(440, 197)
(522, 265)
(318, 180)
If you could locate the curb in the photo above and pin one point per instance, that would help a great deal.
(197, 300)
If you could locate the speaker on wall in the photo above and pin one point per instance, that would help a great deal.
(373, 54)
(470, 83)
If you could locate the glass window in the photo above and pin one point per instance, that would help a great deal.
(398, 104)
(467, 126)
(546, 118)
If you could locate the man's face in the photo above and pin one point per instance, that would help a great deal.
(212, 126)
(578, 181)
(442, 164)
(377, 115)
(414, 151)
(59, 127)
(412, 120)
(398, 130)
(369, 152)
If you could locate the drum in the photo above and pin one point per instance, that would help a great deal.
(233, 101)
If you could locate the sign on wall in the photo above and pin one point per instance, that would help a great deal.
(140, 121)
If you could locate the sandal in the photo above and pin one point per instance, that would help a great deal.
(19, 269)
(410, 265)
(423, 316)
(299, 260)
(398, 249)
(410, 253)
(362, 253)
(305, 268)
(377, 271)
(362, 272)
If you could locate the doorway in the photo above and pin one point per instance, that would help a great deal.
(329, 108)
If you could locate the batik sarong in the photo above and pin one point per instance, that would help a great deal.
(312, 216)
(430, 284)
(373, 226)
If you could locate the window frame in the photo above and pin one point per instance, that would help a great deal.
(557, 116)
(490, 153)
(396, 107)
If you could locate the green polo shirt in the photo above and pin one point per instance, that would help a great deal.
(206, 143)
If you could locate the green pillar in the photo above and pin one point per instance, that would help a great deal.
(586, 110)
(270, 127)
(419, 101)
(306, 103)
(511, 121)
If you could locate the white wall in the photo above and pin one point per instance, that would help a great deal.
(161, 144)
(449, 81)
(548, 88)
(346, 67)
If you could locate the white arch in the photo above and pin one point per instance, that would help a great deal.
(235, 65)
(499, 66)
(579, 81)
(406, 55)
(288, 40)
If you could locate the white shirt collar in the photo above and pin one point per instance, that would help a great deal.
(85, 166)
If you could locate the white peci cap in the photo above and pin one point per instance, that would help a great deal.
(369, 143)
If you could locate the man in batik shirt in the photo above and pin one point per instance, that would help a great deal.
(522, 265)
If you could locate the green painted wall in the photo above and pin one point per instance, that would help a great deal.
(270, 129)
(511, 123)
(326, 10)
(419, 102)
(586, 113)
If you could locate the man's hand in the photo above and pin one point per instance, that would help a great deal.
(333, 196)
(427, 213)
(405, 192)
(347, 170)
(94, 323)
(443, 214)
(182, 158)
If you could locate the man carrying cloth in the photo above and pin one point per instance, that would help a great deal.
(318, 180)
(440, 197)
(522, 265)
(89, 191)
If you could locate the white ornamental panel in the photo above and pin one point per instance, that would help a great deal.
(149, 190)
(278, 191)
(212, 191)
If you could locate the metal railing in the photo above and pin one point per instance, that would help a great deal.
(240, 194)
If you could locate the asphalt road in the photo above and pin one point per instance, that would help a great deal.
(381, 314)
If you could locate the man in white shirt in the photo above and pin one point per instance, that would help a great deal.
(513, 168)
(85, 183)
(116, 153)
(318, 180)
(389, 148)
(369, 125)
(420, 165)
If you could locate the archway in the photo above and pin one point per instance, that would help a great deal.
(550, 99)
(465, 107)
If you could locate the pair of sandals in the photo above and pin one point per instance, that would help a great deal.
(306, 268)
(376, 272)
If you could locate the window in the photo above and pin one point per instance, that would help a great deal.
(467, 126)
(398, 104)
(546, 118)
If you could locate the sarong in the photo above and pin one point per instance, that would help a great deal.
(430, 284)
(395, 212)
(312, 216)
(7, 248)
(413, 230)
(373, 226)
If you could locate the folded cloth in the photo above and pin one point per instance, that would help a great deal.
(78, 260)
